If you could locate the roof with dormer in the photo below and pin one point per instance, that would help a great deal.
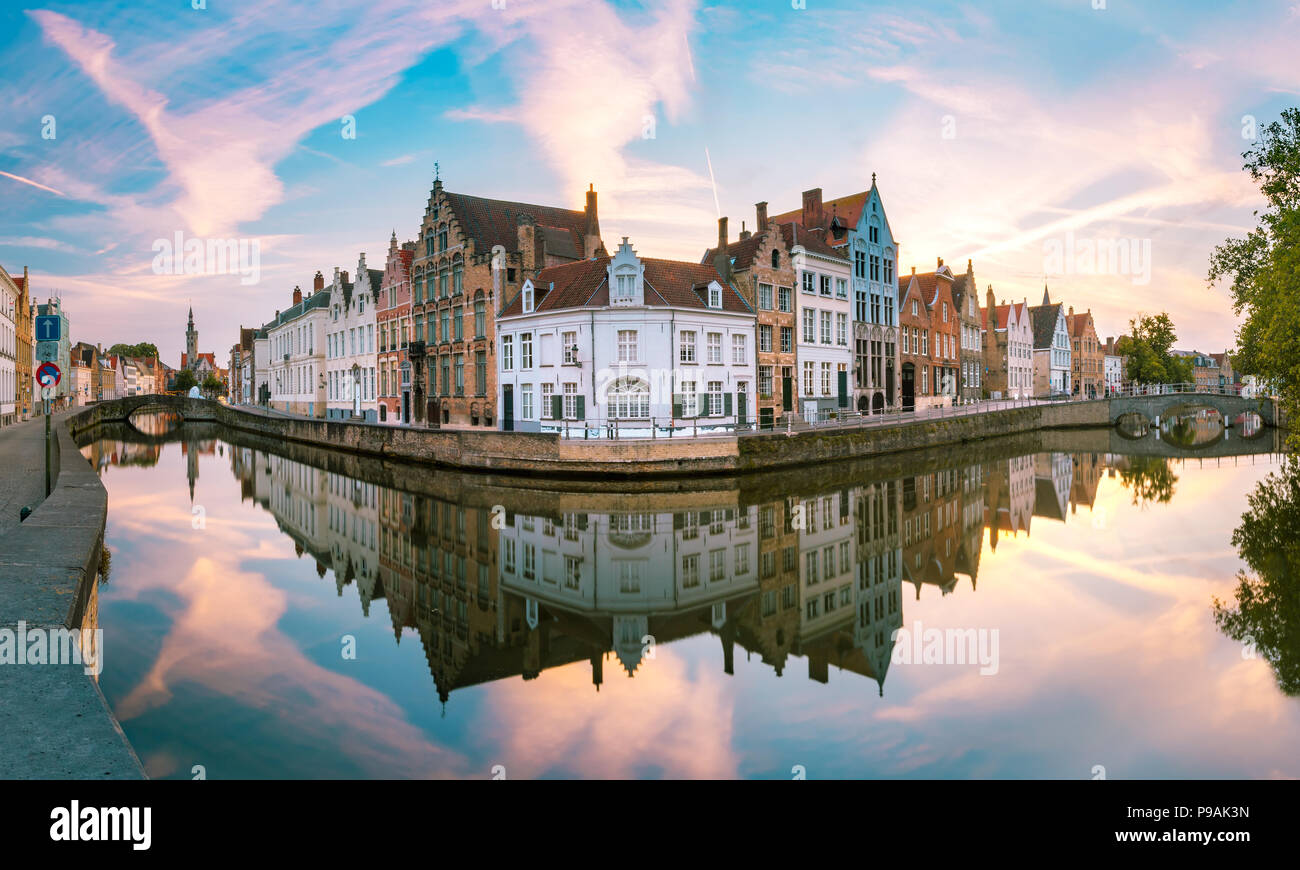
(1044, 318)
(585, 284)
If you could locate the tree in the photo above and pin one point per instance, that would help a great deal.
(144, 349)
(1150, 478)
(212, 385)
(1266, 612)
(184, 380)
(1149, 348)
(1264, 267)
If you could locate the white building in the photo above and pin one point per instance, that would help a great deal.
(625, 341)
(350, 384)
(823, 317)
(828, 567)
(296, 338)
(1052, 355)
(1008, 338)
(1113, 369)
(9, 296)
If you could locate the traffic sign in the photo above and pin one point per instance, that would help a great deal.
(47, 393)
(48, 374)
(47, 351)
(48, 327)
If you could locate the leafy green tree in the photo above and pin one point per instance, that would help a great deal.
(1264, 267)
(212, 385)
(1150, 478)
(144, 348)
(1266, 612)
(1149, 348)
(184, 380)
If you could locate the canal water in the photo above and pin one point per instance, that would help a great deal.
(1021, 608)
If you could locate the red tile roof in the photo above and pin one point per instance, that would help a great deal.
(847, 208)
(585, 284)
(491, 222)
(741, 252)
(813, 240)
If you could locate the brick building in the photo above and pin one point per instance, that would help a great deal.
(930, 339)
(393, 320)
(971, 356)
(760, 267)
(1087, 355)
(472, 254)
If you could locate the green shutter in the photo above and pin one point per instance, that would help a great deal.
(557, 407)
(726, 404)
(844, 389)
(677, 405)
(582, 405)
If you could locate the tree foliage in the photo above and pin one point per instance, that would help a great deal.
(1265, 614)
(184, 380)
(212, 385)
(1150, 478)
(1264, 267)
(1149, 348)
(144, 348)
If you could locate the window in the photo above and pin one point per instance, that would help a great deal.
(809, 282)
(507, 352)
(526, 350)
(889, 269)
(629, 399)
(809, 326)
(715, 347)
(764, 339)
(826, 327)
(627, 349)
(459, 322)
(787, 339)
(571, 401)
(808, 369)
(715, 296)
(765, 295)
(841, 288)
(783, 299)
(480, 319)
(625, 286)
(826, 379)
(526, 402)
(875, 267)
(460, 376)
(528, 298)
(570, 342)
(715, 398)
(842, 329)
(688, 399)
(687, 341)
(739, 352)
(765, 381)
(860, 264)
(548, 391)
(826, 285)
(480, 373)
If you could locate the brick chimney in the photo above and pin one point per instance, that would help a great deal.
(721, 260)
(297, 293)
(940, 262)
(812, 207)
(592, 235)
(1071, 310)
(990, 300)
(744, 233)
(318, 283)
(760, 212)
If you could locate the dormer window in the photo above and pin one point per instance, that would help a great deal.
(625, 276)
(528, 297)
(625, 285)
(715, 295)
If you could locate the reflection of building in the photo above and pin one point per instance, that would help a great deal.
(931, 529)
(1053, 474)
(1085, 477)
(879, 558)
(1009, 498)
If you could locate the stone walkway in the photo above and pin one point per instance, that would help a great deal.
(22, 469)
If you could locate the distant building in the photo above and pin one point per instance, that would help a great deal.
(296, 338)
(63, 358)
(964, 296)
(1052, 363)
(9, 298)
(1086, 356)
(1112, 368)
(1008, 338)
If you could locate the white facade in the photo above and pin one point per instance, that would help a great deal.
(827, 565)
(8, 349)
(823, 332)
(632, 360)
(350, 361)
(1113, 368)
(297, 342)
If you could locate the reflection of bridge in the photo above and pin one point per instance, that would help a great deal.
(123, 409)
(1112, 441)
(1161, 400)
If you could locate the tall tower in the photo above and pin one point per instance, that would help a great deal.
(191, 343)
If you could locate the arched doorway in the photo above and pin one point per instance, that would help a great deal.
(864, 404)
(878, 403)
(909, 387)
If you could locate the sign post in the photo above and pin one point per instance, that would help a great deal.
(48, 376)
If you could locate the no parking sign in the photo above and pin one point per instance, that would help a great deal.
(48, 375)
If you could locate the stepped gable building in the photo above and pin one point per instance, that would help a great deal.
(857, 226)
(393, 324)
(625, 341)
(1087, 356)
(201, 364)
(964, 295)
(823, 311)
(760, 267)
(472, 254)
(930, 333)
(1008, 339)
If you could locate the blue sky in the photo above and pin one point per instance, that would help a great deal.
(995, 129)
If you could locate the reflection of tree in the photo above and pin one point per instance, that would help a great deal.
(1267, 612)
(1151, 479)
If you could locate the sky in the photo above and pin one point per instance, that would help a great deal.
(1018, 135)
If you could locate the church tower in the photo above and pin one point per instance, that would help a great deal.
(191, 343)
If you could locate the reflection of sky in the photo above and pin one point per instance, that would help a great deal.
(223, 649)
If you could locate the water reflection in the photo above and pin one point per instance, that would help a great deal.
(499, 580)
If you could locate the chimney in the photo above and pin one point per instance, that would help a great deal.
(318, 283)
(940, 262)
(1071, 310)
(344, 276)
(722, 233)
(760, 212)
(744, 233)
(990, 300)
(812, 207)
(969, 267)
(721, 259)
(593, 223)
(913, 270)
(297, 293)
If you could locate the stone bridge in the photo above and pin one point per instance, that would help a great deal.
(1229, 406)
(123, 409)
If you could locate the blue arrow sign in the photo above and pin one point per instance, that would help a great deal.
(48, 327)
